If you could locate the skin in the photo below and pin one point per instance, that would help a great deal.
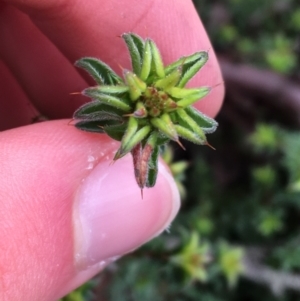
(43, 165)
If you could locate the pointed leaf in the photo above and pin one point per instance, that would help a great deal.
(146, 62)
(96, 110)
(153, 168)
(179, 93)
(115, 131)
(189, 135)
(139, 43)
(190, 66)
(170, 80)
(187, 61)
(135, 84)
(207, 124)
(165, 125)
(128, 144)
(93, 126)
(110, 100)
(99, 71)
(189, 123)
(187, 74)
(134, 46)
(112, 90)
(138, 137)
(132, 127)
(193, 98)
(157, 63)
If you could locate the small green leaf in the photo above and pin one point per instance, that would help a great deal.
(157, 63)
(112, 90)
(115, 131)
(89, 126)
(188, 73)
(147, 60)
(132, 127)
(188, 122)
(170, 80)
(188, 61)
(107, 99)
(96, 110)
(207, 124)
(99, 71)
(190, 66)
(130, 141)
(134, 43)
(153, 168)
(191, 99)
(189, 135)
(139, 43)
(136, 85)
(140, 135)
(179, 93)
(165, 125)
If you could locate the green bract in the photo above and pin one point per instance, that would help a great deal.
(148, 107)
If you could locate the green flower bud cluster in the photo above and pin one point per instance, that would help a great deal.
(146, 109)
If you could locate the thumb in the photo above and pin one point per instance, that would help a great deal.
(66, 211)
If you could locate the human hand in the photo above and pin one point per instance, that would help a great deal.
(65, 211)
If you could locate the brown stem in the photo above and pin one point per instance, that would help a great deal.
(277, 281)
(274, 90)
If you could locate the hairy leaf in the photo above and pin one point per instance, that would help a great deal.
(190, 66)
(153, 168)
(99, 71)
(208, 124)
(134, 48)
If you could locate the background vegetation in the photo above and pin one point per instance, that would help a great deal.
(237, 236)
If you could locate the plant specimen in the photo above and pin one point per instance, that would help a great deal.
(148, 107)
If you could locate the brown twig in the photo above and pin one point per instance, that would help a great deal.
(274, 90)
(256, 271)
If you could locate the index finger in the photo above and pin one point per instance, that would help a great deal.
(90, 28)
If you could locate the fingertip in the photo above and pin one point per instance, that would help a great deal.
(111, 218)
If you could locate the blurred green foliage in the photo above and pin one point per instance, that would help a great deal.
(261, 32)
(83, 293)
